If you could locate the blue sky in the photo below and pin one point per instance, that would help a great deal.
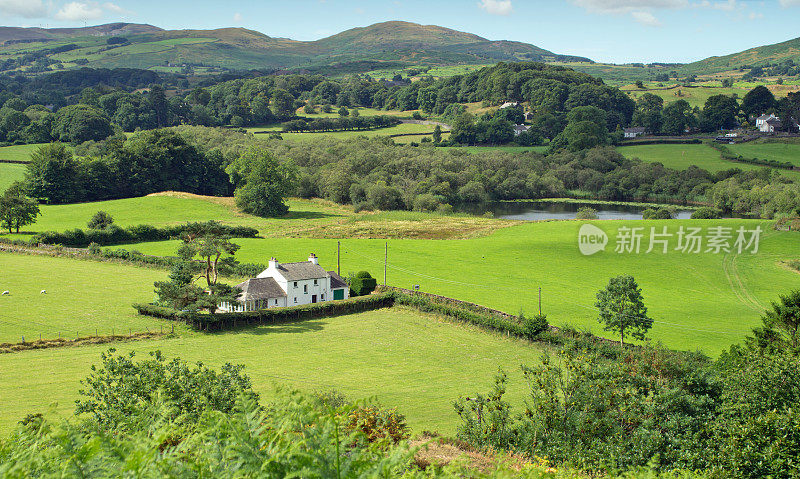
(604, 30)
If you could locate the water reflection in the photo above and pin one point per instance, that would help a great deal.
(542, 210)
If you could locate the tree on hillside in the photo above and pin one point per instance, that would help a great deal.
(719, 112)
(649, 112)
(262, 183)
(437, 134)
(785, 316)
(677, 117)
(16, 209)
(622, 308)
(282, 103)
(209, 242)
(52, 175)
(758, 101)
(79, 123)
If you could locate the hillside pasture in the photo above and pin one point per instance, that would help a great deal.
(776, 151)
(83, 297)
(175, 208)
(680, 157)
(19, 152)
(702, 301)
(415, 362)
(402, 129)
(9, 173)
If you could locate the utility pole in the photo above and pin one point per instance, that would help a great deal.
(385, 262)
(339, 258)
(540, 300)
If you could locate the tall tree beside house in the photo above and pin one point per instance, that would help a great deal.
(622, 308)
(262, 183)
(677, 117)
(649, 112)
(719, 112)
(208, 242)
(16, 209)
(758, 101)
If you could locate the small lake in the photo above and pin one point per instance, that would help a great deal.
(542, 210)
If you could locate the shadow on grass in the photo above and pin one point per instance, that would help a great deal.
(308, 326)
(307, 215)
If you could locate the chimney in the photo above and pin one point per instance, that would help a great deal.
(273, 263)
(312, 258)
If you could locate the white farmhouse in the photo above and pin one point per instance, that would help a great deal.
(765, 118)
(289, 284)
(770, 126)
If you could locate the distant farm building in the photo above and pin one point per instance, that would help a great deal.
(634, 131)
(770, 125)
(509, 104)
(761, 120)
(520, 129)
(289, 284)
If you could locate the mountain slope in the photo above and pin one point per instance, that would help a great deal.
(395, 43)
(758, 56)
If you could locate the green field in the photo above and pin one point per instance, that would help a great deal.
(503, 149)
(697, 94)
(19, 152)
(82, 297)
(403, 129)
(160, 210)
(407, 360)
(680, 157)
(9, 173)
(786, 152)
(703, 301)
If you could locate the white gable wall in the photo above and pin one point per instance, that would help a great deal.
(302, 291)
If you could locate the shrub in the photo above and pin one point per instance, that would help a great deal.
(535, 325)
(586, 213)
(362, 284)
(100, 221)
(657, 214)
(378, 424)
(706, 213)
(95, 248)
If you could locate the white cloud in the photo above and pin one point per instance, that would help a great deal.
(627, 6)
(496, 7)
(23, 8)
(789, 3)
(237, 17)
(646, 18)
(75, 11)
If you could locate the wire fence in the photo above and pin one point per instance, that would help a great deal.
(65, 337)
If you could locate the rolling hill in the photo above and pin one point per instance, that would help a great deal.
(758, 56)
(150, 47)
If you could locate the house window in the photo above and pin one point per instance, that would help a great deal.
(295, 284)
(305, 288)
(323, 296)
(276, 302)
(295, 300)
(315, 282)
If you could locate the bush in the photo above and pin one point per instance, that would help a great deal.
(586, 213)
(706, 213)
(535, 325)
(362, 284)
(94, 248)
(100, 221)
(657, 214)
(113, 235)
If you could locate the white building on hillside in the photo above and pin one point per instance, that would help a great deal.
(765, 118)
(289, 284)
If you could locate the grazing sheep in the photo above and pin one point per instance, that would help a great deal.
(44, 291)
(6, 293)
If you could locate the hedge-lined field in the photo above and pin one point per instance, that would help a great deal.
(680, 157)
(703, 301)
(783, 152)
(82, 296)
(409, 360)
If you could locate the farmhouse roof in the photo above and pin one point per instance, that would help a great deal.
(774, 121)
(337, 282)
(508, 104)
(635, 129)
(301, 271)
(765, 117)
(260, 288)
(521, 128)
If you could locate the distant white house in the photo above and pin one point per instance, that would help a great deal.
(520, 129)
(764, 118)
(289, 284)
(635, 131)
(508, 104)
(770, 125)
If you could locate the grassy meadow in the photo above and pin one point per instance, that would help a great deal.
(407, 360)
(403, 129)
(680, 157)
(82, 296)
(777, 151)
(19, 152)
(722, 300)
(9, 173)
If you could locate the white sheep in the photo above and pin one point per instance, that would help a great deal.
(44, 291)
(6, 293)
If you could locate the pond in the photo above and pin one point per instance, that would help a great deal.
(556, 210)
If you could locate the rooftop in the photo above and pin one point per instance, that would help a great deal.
(260, 288)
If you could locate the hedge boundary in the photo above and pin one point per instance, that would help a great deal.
(727, 154)
(387, 296)
(115, 235)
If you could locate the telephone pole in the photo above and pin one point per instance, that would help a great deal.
(339, 258)
(385, 262)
